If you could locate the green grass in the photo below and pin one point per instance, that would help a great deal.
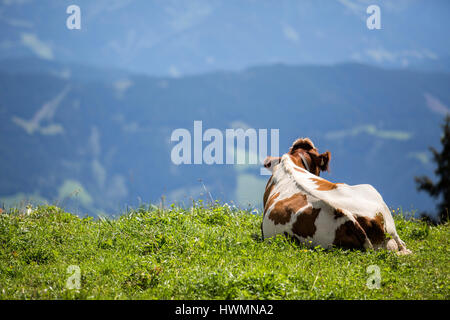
(204, 253)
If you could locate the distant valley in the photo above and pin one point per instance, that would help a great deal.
(97, 140)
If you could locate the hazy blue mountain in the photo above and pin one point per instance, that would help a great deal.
(436, 65)
(97, 144)
(33, 65)
(173, 38)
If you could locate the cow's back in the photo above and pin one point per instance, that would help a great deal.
(292, 211)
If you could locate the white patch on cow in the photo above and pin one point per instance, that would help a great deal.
(326, 226)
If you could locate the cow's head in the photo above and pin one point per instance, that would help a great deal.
(304, 154)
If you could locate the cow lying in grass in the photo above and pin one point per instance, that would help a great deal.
(299, 203)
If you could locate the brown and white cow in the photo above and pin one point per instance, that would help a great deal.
(315, 211)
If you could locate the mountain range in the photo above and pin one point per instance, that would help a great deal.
(96, 140)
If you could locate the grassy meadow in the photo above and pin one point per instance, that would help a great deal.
(204, 252)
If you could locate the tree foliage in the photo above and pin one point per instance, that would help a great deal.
(441, 188)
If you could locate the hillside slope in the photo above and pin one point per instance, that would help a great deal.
(96, 140)
(204, 253)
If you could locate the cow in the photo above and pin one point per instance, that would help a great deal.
(300, 204)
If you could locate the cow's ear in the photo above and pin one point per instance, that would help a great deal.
(324, 160)
(270, 162)
(267, 163)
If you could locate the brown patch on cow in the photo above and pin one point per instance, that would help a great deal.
(350, 235)
(304, 225)
(324, 185)
(283, 209)
(380, 218)
(270, 202)
(299, 169)
(374, 228)
(298, 161)
(269, 187)
(338, 213)
(312, 158)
